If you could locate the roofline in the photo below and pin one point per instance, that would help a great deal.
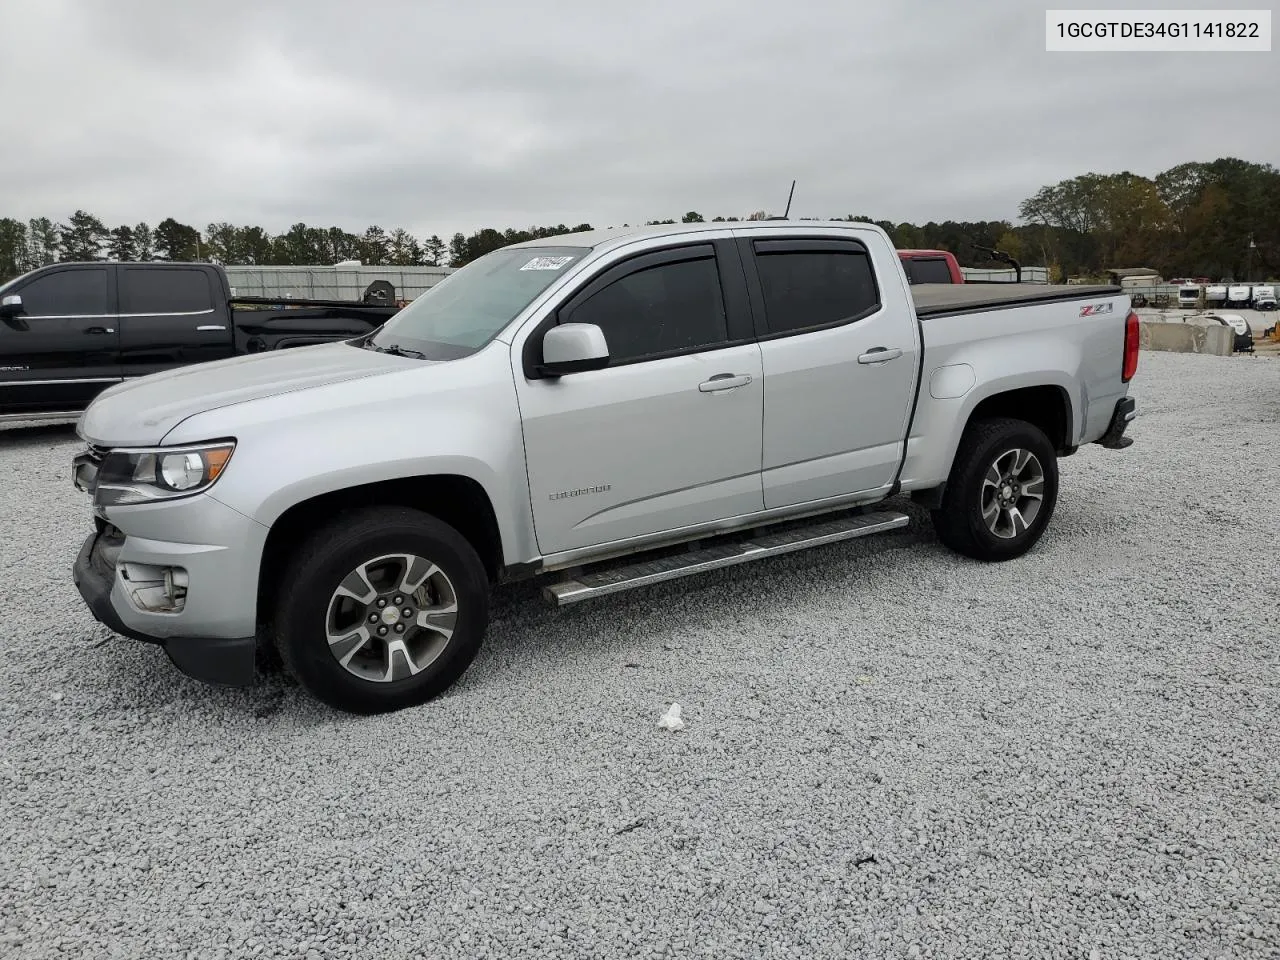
(606, 239)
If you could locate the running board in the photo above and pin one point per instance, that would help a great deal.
(591, 584)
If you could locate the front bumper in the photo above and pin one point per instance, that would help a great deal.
(213, 659)
(1114, 439)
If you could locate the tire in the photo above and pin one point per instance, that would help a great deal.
(336, 603)
(964, 521)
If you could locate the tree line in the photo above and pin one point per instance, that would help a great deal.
(1217, 219)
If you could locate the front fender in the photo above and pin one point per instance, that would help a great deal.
(293, 447)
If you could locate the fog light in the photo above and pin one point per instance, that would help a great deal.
(155, 589)
(175, 584)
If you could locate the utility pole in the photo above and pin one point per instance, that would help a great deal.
(1248, 269)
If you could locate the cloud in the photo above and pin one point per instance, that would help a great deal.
(452, 117)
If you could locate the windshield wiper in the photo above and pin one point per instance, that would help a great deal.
(398, 351)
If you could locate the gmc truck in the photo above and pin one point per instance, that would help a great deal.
(70, 330)
(602, 411)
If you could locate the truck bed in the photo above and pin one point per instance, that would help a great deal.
(945, 299)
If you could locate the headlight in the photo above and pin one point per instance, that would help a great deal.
(144, 476)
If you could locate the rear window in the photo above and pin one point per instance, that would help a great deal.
(165, 291)
(931, 270)
(808, 285)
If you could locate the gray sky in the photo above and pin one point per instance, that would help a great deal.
(439, 118)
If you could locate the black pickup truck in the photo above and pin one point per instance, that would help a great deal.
(70, 330)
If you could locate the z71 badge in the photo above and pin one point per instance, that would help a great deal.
(1097, 309)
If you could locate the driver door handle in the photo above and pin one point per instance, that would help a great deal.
(724, 381)
(880, 355)
(100, 330)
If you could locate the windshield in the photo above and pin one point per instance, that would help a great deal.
(467, 309)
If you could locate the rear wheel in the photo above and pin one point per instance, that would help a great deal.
(1002, 490)
(382, 609)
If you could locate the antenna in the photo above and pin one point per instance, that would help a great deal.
(788, 210)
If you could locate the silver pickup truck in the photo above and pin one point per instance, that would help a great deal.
(603, 411)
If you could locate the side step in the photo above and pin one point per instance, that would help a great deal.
(598, 583)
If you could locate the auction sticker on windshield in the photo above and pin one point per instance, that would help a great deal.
(547, 263)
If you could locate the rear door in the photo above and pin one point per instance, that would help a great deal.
(840, 354)
(668, 435)
(63, 347)
(170, 317)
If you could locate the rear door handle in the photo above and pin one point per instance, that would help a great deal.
(724, 381)
(880, 355)
(211, 326)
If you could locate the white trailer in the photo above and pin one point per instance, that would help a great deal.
(1239, 295)
(343, 281)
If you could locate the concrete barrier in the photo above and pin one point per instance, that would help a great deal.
(1187, 338)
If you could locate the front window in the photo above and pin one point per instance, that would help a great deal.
(73, 292)
(663, 309)
(468, 308)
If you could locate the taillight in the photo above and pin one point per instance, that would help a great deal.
(1130, 347)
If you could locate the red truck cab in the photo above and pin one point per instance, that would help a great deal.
(931, 266)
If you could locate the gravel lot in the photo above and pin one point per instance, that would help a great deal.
(890, 751)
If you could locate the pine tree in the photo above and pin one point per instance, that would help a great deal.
(121, 245)
(374, 247)
(83, 237)
(143, 243)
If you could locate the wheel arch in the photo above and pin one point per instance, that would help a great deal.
(1045, 402)
(458, 500)
(1047, 406)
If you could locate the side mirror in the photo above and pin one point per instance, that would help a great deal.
(11, 305)
(573, 348)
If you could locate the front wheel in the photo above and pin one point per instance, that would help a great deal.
(1001, 492)
(382, 609)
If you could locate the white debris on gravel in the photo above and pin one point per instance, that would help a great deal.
(673, 719)
(1071, 755)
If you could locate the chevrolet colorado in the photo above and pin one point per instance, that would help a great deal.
(603, 411)
(70, 330)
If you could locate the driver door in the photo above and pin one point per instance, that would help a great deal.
(668, 435)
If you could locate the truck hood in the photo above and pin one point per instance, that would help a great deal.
(140, 412)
